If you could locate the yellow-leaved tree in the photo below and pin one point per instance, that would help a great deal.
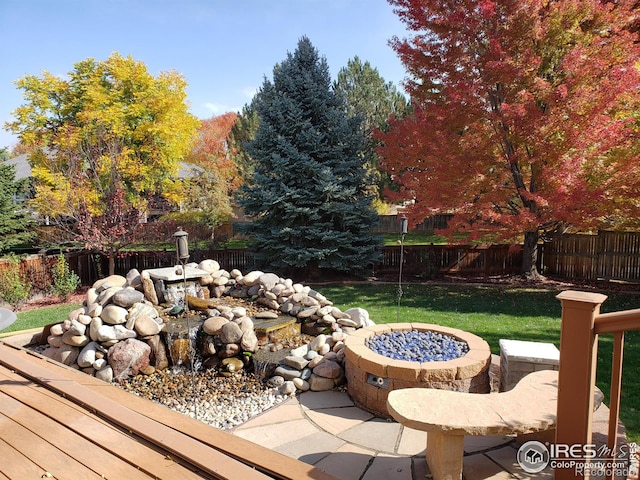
(104, 141)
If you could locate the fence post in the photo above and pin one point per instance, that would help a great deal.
(577, 371)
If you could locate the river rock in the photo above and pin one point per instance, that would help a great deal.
(127, 297)
(253, 291)
(55, 340)
(105, 296)
(301, 384)
(327, 320)
(128, 357)
(67, 354)
(94, 326)
(230, 333)
(300, 351)
(208, 346)
(213, 325)
(287, 388)
(209, 266)
(233, 364)
(252, 278)
(307, 312)
(133, 278)
(245, 323)
(328, 369)
(159, 356)
(295, 361)
(87, 356)
(268, 281)
(359, 316)
(249, 341)
(269, 303)
(100, 363)
(105, 374)
(142, 308)
(69, 338)
(315, 361)
(265, 314)
(286, 372)
(84, 319)
(75, 313)
(111, 333)
(320, 384)
(230, 350)
(149, 288)
(91, 296)
(108, 282)
(146, 326)
(57, 329)
(114, 315)
(220, 290)
(77, 328)
(317, 343)
(180, 350)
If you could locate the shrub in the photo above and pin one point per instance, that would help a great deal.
(14, 287)
(65, 282)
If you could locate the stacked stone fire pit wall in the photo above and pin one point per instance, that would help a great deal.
(370, 376)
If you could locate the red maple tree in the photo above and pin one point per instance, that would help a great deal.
(215, 177)
(524, 117)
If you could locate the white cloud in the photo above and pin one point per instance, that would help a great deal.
(219, 109)
(249, 92)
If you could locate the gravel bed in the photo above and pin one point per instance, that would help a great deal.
(222, 402)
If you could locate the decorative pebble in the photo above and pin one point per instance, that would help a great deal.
(415, 346)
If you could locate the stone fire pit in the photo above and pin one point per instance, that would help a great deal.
(371, 376)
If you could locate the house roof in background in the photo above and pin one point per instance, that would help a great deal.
(23, 169)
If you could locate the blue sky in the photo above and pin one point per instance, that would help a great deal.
(223, 48)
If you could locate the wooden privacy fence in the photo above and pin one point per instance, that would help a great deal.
(422, 260)
(391, 223)
(433, 260)
(606, 256)
(36, 269)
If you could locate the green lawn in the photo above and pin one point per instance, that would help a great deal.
(489, 312)
(39, 317)
(496, 312)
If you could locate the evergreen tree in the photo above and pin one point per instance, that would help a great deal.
(310, 195)
(242, 132)
(15, 223)
(367, 94)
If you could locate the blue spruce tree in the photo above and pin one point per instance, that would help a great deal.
(311, 197)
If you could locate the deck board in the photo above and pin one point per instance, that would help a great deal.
(15, 465)
(64, 439)
(83, 424)
(50, 458)
(154, 440)
(274, 463)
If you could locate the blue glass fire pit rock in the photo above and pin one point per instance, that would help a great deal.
(415, 346)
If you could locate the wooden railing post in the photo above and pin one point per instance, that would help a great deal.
(577, 370)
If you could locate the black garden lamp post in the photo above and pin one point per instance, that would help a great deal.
(182, 245)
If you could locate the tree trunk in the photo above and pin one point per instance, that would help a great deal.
(112, 265)
(530, 256)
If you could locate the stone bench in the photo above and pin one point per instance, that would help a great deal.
(448, 416)
(519, 358)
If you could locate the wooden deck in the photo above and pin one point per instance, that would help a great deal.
(56, 422)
